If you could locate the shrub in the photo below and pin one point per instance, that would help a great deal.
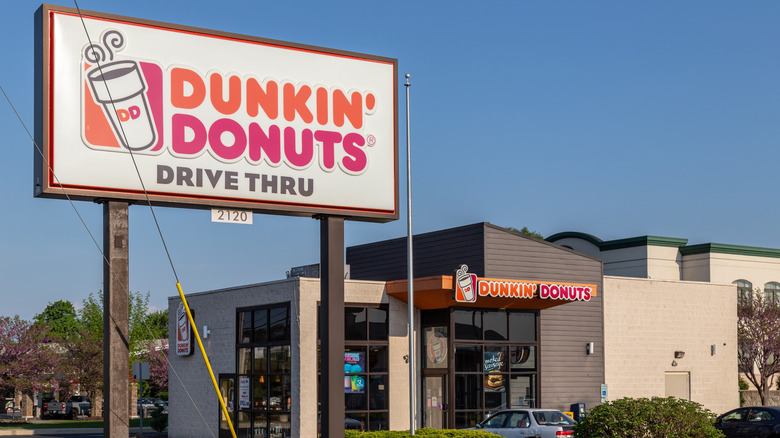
(424, 432)
(159, 420)
(648, 418)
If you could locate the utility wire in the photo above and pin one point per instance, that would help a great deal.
(89, 232)
(151, 209)
(130, 150)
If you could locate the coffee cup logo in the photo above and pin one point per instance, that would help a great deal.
(465, 283)
(184, 327)
(120, 89)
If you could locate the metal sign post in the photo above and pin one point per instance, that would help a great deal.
(141, 373)
(332, 325)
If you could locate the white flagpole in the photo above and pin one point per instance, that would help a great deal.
(410, 281)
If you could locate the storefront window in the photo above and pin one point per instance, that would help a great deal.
(500, 371)
(366, 368)
(468, 358)
(468, 390)
(468, 324)
(263, 367)
(522, 327)
(522, 357)
(355, 324)
(436, 346)
(523, 390)
(377, 321)
(496, 326)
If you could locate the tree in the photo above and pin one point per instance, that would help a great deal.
(84, 363)
(758, 339)
(157, 356)
(28, 360)
(527, 232)
(143, 325)
(61, 317)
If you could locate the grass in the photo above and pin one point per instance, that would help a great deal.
(70, 424)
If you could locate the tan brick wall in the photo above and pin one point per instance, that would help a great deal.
(646, 321)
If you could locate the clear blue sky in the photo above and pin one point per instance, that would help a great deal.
(613, 118)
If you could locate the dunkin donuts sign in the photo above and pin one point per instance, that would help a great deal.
(213, 119)
(468, 288)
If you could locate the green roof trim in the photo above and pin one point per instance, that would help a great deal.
(575, 234)
(631, 242)
(722, 248)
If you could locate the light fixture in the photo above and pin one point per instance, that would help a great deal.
(206, 331)
(679, 354)
(589, 348)
(713, 349)
(674, 363)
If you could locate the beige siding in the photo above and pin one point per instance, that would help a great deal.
(646, 321)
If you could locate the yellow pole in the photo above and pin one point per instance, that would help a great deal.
(206, 359)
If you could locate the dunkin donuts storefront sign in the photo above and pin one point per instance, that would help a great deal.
(212, 119)
(468, 288)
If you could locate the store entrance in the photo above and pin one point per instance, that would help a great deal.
(227, 387)
(435, 401)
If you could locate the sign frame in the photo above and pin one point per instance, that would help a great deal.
(46, 184)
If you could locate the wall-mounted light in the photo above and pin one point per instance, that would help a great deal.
(674, 363)
(679, 354)
(589, 348)
(206, 331)
(713, 349)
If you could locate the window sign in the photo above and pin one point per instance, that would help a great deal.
(354, 362)
(243, 393)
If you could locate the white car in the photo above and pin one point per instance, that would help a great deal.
(542, 423)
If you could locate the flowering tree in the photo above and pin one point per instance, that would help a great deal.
(758, 338)
(157, 356)
(83, 363)
(28, 360)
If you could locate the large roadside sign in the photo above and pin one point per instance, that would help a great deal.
(212, 119)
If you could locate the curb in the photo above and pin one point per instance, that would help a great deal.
(66, 431)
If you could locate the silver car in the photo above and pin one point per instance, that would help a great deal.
(542, 423)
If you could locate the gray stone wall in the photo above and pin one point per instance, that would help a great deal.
(750, 398)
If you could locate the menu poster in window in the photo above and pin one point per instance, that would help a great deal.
(495, 363)
(354, 362)
(243, 393)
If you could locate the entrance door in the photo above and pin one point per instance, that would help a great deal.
(227, 387)
(435, 401)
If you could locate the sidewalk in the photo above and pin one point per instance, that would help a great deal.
(68, 430)
(74, 431)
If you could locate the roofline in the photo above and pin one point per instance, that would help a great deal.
(629, 242)
(723, 248)
(575, 234)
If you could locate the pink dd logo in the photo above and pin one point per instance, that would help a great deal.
(122, 106)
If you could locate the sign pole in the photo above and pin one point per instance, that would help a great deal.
(116, 351)
(410, 280)
(332, 326)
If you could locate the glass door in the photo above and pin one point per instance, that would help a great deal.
(435, 401)
(227, 386)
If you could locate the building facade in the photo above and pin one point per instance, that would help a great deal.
(501, 320)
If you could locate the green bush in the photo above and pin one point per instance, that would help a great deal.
(648, 418)
(159, 420)
(424, 432)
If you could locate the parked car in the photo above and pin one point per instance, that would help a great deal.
(147, 405)
(542, 423)
(751, 421)
(73, 408)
